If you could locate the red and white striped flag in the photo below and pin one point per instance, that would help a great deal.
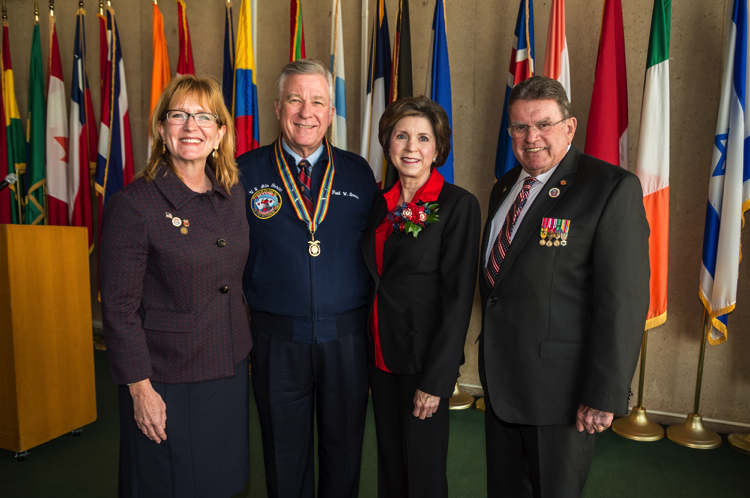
(556, 62)
(607, 129)
(185, 61)
(83, 146)
(60, 195)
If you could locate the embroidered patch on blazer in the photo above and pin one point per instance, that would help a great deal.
(265, 203)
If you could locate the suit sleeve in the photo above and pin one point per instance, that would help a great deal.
(621, 297)
(458, 271)
(122, 265)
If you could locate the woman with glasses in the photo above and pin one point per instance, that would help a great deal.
(173, 250)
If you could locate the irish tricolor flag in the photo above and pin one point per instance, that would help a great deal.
(652, 165)
(607, 129)
(556, 61)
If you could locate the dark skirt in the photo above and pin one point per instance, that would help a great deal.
(206, 452)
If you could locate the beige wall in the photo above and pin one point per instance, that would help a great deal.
(479, 35)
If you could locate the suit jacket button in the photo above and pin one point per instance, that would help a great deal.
(221, 242)
(224, 289)
(493, 300)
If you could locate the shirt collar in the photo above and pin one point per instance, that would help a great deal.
(428, 192)
(312, 158)
(175, 190)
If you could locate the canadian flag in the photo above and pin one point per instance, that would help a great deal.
(60, 197)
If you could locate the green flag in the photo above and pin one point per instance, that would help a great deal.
(35, 136)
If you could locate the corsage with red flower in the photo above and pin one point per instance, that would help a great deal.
(412, 218)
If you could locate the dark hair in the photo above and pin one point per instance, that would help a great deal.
(420, 107)
(208, 93)
(541, 88)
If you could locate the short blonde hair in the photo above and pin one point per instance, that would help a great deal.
(206, 92)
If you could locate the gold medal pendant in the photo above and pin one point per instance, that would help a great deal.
(313, 246)
(542, 242)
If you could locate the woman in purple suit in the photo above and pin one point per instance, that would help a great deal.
(173, 251)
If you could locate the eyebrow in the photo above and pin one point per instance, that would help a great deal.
(296, 95)
(543, 120)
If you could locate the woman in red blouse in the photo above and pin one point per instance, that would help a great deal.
(421, 246)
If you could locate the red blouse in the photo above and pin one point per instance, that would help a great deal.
(428, 192)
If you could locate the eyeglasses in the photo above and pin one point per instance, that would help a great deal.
(202, 119)
(541, 128)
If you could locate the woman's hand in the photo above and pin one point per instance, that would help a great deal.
(425, 404)
(150, 412)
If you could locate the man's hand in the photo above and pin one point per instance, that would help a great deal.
(425, 404)
(150, 412)
(592, 420)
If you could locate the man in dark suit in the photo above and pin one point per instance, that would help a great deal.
(564, 288)
(306, 285)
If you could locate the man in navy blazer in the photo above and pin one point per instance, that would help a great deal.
(306, 285)
(564, 283)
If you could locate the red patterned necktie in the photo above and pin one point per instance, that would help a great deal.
(503, 238)
(305, 172)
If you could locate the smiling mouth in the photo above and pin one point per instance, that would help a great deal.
(409, 160)
(190, 140)
(538, 149)
(305, 127)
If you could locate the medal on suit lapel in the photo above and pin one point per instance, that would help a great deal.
(313, 220)
(545, 224)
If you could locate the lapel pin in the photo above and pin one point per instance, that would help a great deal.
(183, 231)
(563, 182)
(177, 222)
(186, 223)
(504, 189)
(554, 192)
(169, 215)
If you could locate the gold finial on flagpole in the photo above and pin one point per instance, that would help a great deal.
(52, 8)
(5, 13)
(80, 4)
(101, 8)
(36, 11)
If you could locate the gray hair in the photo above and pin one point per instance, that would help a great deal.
(541, 88)
(305, 66)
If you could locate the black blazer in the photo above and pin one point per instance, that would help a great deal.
(426, 291)
(563, 325)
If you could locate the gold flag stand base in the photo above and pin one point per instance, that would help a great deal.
(638, 427)
(479, 405)
(692, 434)
(740, 442)
(460, 400)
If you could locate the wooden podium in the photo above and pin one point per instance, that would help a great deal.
(46, 352)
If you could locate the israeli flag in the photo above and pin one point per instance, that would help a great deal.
(729, 185)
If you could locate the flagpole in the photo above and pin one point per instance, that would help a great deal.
(637, 426)
(363, 42)
(691, 433)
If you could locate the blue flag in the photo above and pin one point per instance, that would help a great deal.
(439, 78)
(521, 68)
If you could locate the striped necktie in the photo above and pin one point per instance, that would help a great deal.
(503, 238)
(305, 172)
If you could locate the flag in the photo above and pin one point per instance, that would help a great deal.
(160, 72)
(521, 68)
(378, 92)
(338, 126)
(556, 62)
(439, 77)
(185, 61)
(35, 136)
(297, 31)
(652, 163)
(59, 198)
(103, 58)
(83, 143)
(5, 198)
(227, 75)
(401, 75)
(15, 147)
(245, 100)
(729, 184)
(114, 167)
(607, 128)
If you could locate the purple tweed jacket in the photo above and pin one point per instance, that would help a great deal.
(170, 268)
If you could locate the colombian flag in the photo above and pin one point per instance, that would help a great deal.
(245, 102)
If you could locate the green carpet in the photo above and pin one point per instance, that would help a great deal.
(86, 466)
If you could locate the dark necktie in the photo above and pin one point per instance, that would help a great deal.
(305, 172)
(503, 238)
